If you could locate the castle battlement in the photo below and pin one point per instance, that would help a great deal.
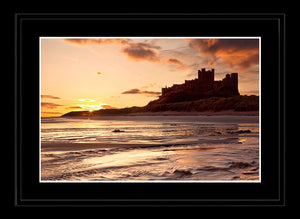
(204, 86)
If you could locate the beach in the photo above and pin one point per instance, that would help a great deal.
(147, 148)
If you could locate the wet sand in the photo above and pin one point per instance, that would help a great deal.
(195, 113)
(47, 147)
(184, 148)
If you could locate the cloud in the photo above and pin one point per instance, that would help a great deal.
(132, 91)
(82, 106)
(50, 105)
(227, 46)
(177, 65)
(49, 97)
(84, 41)
(99, 73)
(51, 113)
(124, 41)
(141, 52)
(237, 54)
(138, 91)
(151, 85)
(241, 62)
(145, 45)
(86, 100)
(108, 107)
(74, 107)
(175, 62)
(135, 51)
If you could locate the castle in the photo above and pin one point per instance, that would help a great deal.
(202, 87)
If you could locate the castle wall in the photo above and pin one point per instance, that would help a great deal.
(205, 85)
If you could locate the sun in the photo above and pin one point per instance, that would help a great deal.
(90, 107)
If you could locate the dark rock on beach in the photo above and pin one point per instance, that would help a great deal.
(235, 177)
(118, 130)
(182, 173)
(240, 132)
(243, 131)
(239, 165)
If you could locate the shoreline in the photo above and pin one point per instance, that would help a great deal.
(171, 113)
(195, 113)
(48, 147)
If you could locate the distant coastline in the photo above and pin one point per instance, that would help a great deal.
(237, 105)
(194, 113)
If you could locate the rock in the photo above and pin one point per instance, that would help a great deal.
(243, 131)
(240, 132)
(182, 173)
(250, 172)
(239, 165)
(118, 130)
(162, 158)
(235, 177)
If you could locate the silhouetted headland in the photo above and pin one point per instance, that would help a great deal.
(212, 104)
(202, 94)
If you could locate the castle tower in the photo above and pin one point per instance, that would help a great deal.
(234, 80)
(206, 76)
(230, 84)
(227, 82)
(164, 90)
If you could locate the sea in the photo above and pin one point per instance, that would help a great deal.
(216, 148)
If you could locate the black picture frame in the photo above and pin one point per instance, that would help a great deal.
(30, 26)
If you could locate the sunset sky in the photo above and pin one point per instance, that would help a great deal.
(99, 73)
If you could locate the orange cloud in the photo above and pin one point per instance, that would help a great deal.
(177, 65)
(141, 52)
(135, 51)
(51, 113)
(235, 53)
(241, 62)
(175, 62)
(75, 107)
(50, 105)
(83, 41)
(228, 46)
(49, 97)
(138, 91)
(145, 45)
(99, 73)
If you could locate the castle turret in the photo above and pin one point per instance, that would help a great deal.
(234, 79)
(230, 84)
(164, 90)
(206, 76)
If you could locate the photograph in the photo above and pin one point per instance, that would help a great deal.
(150, 109)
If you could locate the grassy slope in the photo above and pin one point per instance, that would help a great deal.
(215, 104)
